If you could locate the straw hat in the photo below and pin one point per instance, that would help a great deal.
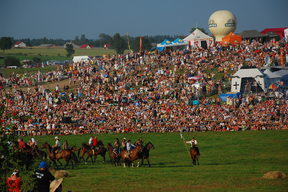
(55, 184)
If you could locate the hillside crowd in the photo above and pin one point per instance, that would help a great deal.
(150, 92)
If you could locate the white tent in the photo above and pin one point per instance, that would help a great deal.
(276, 74)
(246, 80)
(197, 38)
(286, 34)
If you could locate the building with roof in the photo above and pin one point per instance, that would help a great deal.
(252, 35)
(278, 31)
(86, 46)
(19, 44)
(247, 80)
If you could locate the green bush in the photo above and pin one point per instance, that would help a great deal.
(12, 61)
(37, 60)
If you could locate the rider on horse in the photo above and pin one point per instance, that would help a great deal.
(93, 142)
(117, 144)
(32, 143)
(22, 144)
(57, 145)
(124, 143)
(194, 145)
(129, 147)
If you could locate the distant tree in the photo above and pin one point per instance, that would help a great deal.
(201, 29)
(104, 39)
(6, 43)
(146, 45)
(119, 43)
(83, 38)
(69, 49)
(11, 61)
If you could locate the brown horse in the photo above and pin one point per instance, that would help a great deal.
(113, 154)
(66, 154)
(194, 153)
(134, 155)
(144, 154)
(86, 149)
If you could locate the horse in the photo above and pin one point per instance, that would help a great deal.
(86, 149)
(144, 154)
(114, 157)
(65, 154)
(194, 153)
(134, 155)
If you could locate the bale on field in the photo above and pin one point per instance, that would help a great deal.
(274, 175)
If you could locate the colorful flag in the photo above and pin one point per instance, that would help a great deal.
(140, 44)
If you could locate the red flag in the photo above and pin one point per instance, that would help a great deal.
(140, 44)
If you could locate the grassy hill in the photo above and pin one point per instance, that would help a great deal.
(52, 53)
(230, 161)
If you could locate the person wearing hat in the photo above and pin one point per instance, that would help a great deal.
(14, 182)
(117, 149)
(123, 143)
(43, 178)
(57, 145)
(129, 147)
(194, 143)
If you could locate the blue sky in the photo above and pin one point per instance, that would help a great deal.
(68, 18)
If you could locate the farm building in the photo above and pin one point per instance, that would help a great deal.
(86, 46)
(19, 44)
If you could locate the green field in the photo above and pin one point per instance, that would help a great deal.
(230, 161)
(46, 54)
(7, 72)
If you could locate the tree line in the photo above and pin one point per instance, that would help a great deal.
(117, 41)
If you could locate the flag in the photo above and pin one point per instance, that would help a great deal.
(128, 40)
(140, 44)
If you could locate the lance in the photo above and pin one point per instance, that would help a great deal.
(182, 137)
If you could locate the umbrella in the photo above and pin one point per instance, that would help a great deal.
(273, 86)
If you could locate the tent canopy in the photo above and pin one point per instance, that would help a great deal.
(197, 36)
(164, 43)
(178, 42)
(277, 31)
(167, 43)
(232, 38)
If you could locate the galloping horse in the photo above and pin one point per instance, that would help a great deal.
(194, 152)
(86, 149)
(65, 154)
(144, 154)
(134, 155)
(114, 157)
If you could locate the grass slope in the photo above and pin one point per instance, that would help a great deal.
(52, 53)
(230, 161)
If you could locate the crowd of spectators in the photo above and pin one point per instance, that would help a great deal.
(149, 92)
